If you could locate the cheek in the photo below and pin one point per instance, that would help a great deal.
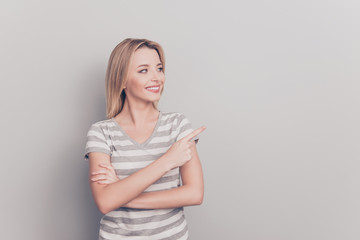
(136, 84)
(162, 79)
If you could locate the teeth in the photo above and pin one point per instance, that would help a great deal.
(153, 88)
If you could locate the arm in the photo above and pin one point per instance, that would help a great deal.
(111, 196)
(190, 193)
(116, 194)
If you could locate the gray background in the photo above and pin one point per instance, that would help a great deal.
(275, 82)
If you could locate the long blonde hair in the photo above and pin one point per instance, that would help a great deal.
(118, 69)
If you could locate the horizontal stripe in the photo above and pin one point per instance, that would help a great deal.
(130, 165)
(122, 143)
(96, 133)
(151, 223)
(140, 152)
(101, 150)
(112, 133)
(144, 158)
(170, 116)
(137, 215)
(96, 144)
(172, 174)
(163, 186)
(126, 172)
(122, 173)
(156, 233)
(181, 235)
(165, 127)
(162, 139)
(170, 178)
(150, 146)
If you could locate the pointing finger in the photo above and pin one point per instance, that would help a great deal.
(194, 133)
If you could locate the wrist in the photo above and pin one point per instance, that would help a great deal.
(164, 163)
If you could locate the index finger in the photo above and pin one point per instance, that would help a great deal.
(193, 133)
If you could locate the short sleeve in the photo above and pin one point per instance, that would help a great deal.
(184, 128)
(96, 142)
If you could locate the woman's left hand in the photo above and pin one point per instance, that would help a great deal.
(106, 175)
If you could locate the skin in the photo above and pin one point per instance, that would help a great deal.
(138, 119)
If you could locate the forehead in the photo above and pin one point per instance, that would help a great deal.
(145, 56)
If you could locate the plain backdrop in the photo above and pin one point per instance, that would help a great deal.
(275, 82)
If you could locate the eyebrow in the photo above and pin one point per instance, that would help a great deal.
(146, 65)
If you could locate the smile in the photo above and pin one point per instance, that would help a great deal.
(154, 89)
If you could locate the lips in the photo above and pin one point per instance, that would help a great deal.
(154, 88)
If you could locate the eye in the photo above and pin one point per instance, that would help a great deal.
(161, 69)
(141, 71)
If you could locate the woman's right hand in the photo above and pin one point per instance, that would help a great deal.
(180, 152)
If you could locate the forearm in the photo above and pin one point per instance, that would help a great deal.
(119, 193)
(190, 193)
(172, 198)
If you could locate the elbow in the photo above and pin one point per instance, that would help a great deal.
(106, 203)
(101, 204)
(105, 206)
(103, 209)
(195, 195)
(198, 198)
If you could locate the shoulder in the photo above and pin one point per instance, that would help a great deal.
(180, 124)
(174, 117)
(102, 125)
(178, 120)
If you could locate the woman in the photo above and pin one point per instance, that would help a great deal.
(138, 154)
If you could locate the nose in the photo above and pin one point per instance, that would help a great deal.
(156, 76)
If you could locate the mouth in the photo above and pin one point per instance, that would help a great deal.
(154, 88)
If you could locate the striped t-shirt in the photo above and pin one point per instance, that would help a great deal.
(128, 156)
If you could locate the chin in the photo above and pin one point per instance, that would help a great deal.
(155, 100)
(152, 100)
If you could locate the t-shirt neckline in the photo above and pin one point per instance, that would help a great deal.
(132, 140)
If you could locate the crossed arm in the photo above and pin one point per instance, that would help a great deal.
(129, 192)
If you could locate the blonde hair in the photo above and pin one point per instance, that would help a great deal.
(118, 69)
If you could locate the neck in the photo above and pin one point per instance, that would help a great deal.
(138, 114)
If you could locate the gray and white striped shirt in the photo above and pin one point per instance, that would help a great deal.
(127, 157)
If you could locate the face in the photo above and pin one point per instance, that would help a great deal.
(146, 77)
